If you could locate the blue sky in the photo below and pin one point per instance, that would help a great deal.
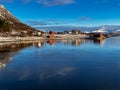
(65, 12)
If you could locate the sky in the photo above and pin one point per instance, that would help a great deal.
(65, 12)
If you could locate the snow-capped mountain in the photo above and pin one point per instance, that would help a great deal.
(104, 28)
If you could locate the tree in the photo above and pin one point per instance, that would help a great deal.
(4, 27)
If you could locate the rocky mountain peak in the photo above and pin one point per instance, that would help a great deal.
(1, 6)
(6, 15)
(12, 21)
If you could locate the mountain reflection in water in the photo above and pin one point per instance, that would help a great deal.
(9, 50)
(60, 65)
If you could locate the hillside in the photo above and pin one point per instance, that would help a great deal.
(12, 22)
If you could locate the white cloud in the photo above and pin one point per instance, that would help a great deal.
(44, 2)
(55, 2)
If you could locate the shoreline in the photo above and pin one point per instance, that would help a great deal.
(56, 37)
(19, 39)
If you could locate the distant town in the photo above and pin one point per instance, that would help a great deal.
(12, 29)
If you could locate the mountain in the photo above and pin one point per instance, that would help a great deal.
(8, 20)
(106, 28)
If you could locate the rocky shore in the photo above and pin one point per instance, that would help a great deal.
(18, 39)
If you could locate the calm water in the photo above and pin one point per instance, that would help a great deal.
(60, 65)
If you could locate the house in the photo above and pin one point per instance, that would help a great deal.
(60, 33)
(98, 35)
(76, 32)
(52, 32)
(94, 34)
(38, 33)
(66, 32)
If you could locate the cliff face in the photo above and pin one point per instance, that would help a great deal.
(13, 22)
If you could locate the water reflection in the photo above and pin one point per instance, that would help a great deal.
(75, 42)
(99, 42)
(66, 65)
(115, 41)
(9, 50)
(51, 42)
(38, 44)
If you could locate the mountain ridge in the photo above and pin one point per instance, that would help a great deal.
(108, 28)
(13, 23)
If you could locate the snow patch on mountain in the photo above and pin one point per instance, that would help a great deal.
(100, 30)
